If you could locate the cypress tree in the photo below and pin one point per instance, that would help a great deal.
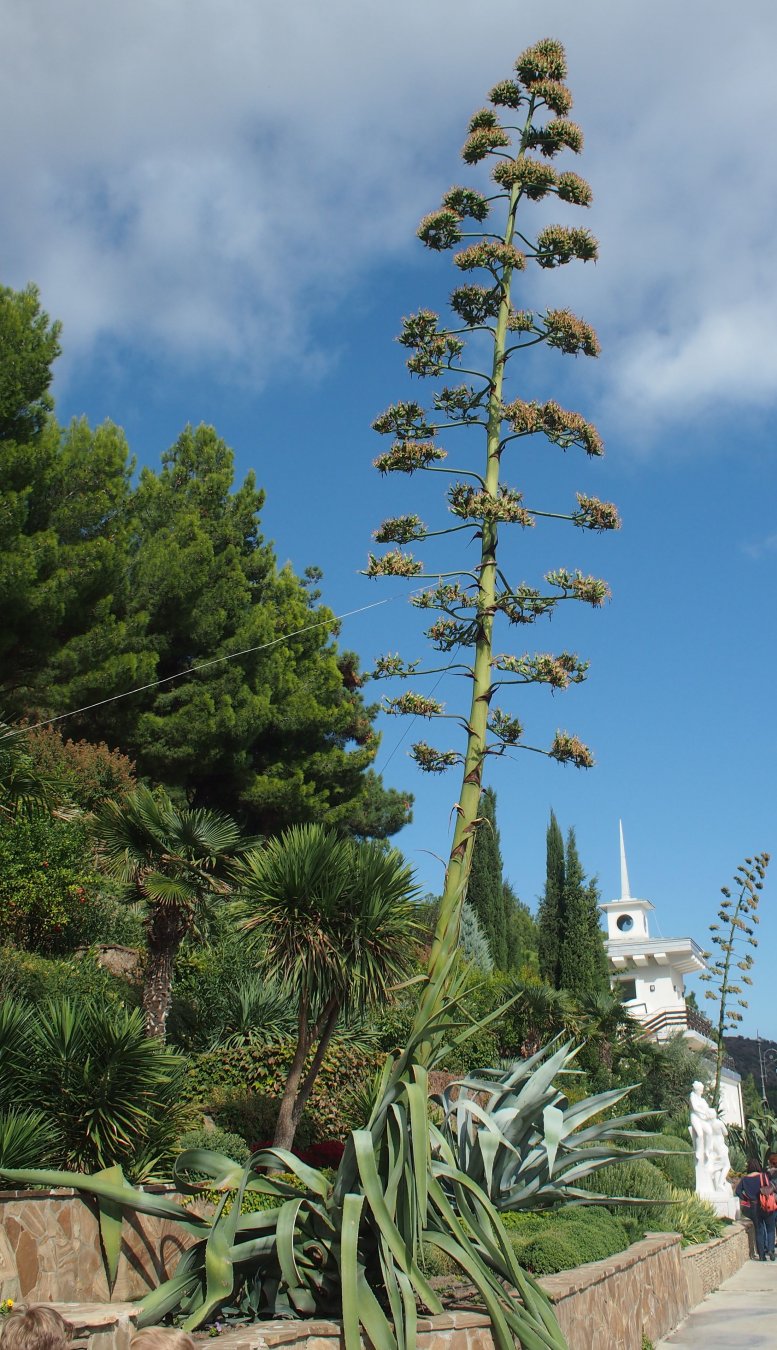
(484, 890)
(582, 962)
(549, 918)
(522, 936)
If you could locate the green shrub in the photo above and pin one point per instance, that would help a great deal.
(206, 974)
(560, 1239)
(52, 898)
(218, 1141)
(253, 1115)
(436, 1263)
(638, 1179)
(678, 1165)
(34, 979)
(549, 1252)
(695, 1219)
(524, 1222)
(263, 1070)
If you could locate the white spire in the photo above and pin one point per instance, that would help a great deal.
(625, 888)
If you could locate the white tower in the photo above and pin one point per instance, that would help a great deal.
(627, 918)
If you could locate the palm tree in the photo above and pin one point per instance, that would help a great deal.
(24, 790)
(171, 861)
(542, 1012)
(333, 921)
(605, 1022)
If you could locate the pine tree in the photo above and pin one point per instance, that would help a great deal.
(484, 891)
(582, 962)
(106, 588)
(549, 917)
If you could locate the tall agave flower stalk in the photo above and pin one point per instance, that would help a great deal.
(735, 929)
(527, 113)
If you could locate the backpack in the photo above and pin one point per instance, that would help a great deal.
(767, 1198)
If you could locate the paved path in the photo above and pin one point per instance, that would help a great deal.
(743, 1312)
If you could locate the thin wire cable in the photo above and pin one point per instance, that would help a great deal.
(214, 661)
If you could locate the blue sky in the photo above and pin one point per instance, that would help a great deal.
(220, 203)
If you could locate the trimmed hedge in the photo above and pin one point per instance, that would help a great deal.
(263, 1070)
(572, 1237)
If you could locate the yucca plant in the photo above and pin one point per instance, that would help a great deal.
(27, 1138)
(107, 1092)
(333, 921)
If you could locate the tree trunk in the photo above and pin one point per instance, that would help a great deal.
(165, 929)
(298, 1089)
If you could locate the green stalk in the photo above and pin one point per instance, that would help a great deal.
(449, 919)
(733, 929)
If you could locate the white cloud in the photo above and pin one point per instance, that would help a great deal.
(207, 180)
(761, 548)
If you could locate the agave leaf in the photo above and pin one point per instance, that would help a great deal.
(156, 1305)
(348, 1258)
(590, 1106)
(417, 1098)
(128, 1196)
(389, 1232)
(224, 1173)
(284, 1235)
(310, 1177)
(111, 1219)
(553, 1123)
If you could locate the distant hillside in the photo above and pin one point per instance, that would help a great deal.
(744, 1052)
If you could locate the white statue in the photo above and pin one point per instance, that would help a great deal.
(702, 1117)
(713, 1163)
(720, 1165)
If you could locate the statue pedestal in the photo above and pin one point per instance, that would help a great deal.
(722, 1197)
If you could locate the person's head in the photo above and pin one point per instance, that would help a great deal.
(753, 1165)
(37, 1328)
(697, 1086)
(161, 1338)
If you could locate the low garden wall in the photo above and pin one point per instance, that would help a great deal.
(50, 1252)
(50, 1249)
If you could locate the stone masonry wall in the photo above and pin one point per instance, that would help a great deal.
(50, 1252)
(54, 1238)
(612, 1304)
(710, 1263)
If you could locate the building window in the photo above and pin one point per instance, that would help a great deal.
(628, 990)
(625, 923)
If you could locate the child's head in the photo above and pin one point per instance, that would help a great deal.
(161, 1338)
(39, 1328)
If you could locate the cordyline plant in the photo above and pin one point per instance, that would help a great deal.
(352, 1246)
(492, 241)
(733, 934)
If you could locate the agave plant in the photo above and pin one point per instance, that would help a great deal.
(526, 1146)
(348, 1246)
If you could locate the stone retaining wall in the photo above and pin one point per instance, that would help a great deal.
(50, 1252)
(53, 1240)
(710, 1263)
